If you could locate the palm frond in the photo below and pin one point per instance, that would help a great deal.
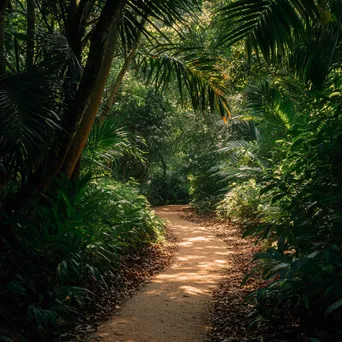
(108, 141)
(56, 46)
(199, 75)
(165, 11)
(228, 173)
(31, 104)
(266, 25)
(237, 151)
(244, 129)
(266, 99)
(29, 119)
(153, 14)
(316, 54)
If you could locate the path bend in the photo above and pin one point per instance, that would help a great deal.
(174, 307)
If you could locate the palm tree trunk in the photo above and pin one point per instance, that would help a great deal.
(114, 91)
(89, 117)
(118, 81)
(89, 88)
(3, 6)
(31, 19)
(78, 14)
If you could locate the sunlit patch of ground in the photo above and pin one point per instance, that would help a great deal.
(229, 310)
(174, 307)
(228, 321)
(136, 268)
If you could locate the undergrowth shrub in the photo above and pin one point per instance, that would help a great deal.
(170, 187)
(50, 256)
(205, 192)
(303, 269)
(205, 206)
(240, 203)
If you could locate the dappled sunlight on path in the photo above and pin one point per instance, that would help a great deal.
(174, 306)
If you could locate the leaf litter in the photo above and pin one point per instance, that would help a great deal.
(136, 269)
(230, 312)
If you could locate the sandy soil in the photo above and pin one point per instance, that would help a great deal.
(174, 307)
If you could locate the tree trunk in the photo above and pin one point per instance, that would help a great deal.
(78, 15)
(31, 21)
(3, 5)
(83, 100)
(89, 117)
(116, 86)
(118, 81)
(77, 18)
(77, 171)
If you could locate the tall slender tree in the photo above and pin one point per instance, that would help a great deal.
(92, 31)
(3, 6)
(87, 99)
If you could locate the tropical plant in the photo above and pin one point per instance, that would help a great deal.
(303, 268)
(115, 88)
(268, 26)
(241, 204)
(169, 187)
(89, 35)
(297, 105)
(50, 258)
(107, 144)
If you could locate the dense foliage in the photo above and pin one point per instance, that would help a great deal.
(50, 259)
(107, 106)
(69, 204)
(293, 200)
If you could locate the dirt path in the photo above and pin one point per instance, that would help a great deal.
(174, 307)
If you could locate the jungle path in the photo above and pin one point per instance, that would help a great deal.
(174, 307)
